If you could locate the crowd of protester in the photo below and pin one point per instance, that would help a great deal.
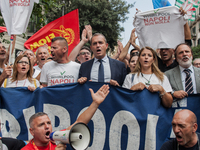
(171, 73)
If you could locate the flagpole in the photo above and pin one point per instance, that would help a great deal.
(63, 8)
(10, 52)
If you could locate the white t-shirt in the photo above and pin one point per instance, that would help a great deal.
(16, 14)
(160, 28)
(54, 73)
(151, 77)
(36, 73)
(20, 83)
(37, 68)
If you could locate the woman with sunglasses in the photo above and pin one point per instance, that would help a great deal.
(147, 75)
(22, 74)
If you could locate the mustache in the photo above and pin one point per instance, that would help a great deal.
(185, 57)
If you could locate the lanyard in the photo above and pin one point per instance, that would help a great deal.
(35, 147)
(197, 143)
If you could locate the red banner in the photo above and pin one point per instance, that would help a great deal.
(66, 26)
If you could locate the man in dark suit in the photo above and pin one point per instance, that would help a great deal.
(113, 70)
(184, 73)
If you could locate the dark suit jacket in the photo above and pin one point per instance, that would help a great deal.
(118, 70)
(174, 77)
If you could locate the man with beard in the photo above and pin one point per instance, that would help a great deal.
(61, 69)
(184, 125)
(41, 127)
(184, 78)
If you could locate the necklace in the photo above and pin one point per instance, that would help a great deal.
(148, 81)
(24, 83)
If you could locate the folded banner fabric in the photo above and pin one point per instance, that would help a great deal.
(16, 14)
(126, 120)
(66, 26)
(189, 6)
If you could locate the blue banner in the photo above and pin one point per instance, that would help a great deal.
(126, 120)
(160, 3)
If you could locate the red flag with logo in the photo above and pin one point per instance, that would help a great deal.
(66, 26)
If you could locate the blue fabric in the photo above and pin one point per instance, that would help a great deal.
(160, 3)
(122, 117)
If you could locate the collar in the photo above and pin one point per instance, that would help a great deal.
(191, 69)
(104, 59)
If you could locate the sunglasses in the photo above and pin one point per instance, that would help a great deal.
(135, 54)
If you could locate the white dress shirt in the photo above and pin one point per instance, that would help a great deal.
(183, 76)
(95, 70)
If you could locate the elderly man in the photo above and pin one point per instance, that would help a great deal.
(10, 143)
(184, 125)
(102, 68)
(61, 70)
(40, 124)
(184, 78)
(41, 54)
(196, 62)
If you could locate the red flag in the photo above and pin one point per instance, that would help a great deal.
(3, 29)
(66, 26)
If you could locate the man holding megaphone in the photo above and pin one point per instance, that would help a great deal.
(40, 124)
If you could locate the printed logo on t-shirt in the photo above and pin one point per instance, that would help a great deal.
(59, 79)
(157, 18)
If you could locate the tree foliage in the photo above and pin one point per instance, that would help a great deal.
(103, 15)
(196, 51)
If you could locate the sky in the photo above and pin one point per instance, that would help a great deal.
(143, 5)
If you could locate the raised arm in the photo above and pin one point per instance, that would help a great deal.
(98, 98)
(75, 51)
(131, 41)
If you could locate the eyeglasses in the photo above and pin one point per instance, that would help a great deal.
(1, 124)
(83, 53)
(23, 62)
(135, 54)
(197, 64)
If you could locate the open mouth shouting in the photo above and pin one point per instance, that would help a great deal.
(47, 134)
(185, 59)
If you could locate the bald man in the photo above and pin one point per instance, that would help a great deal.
(184, 125)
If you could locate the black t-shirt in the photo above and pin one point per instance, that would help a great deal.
(13, 144)
(172, 145)
(163, 66)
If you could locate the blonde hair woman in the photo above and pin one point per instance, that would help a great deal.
(147, 75)
(22, 74)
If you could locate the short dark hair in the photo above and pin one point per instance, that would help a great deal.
(59, 38)
(35, 116)
(137, 53)
(87, 48)
(99, 34)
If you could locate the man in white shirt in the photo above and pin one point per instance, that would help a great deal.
(184, 78)
(112, 71)
(61, 69)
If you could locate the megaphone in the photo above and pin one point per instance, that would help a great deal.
(78, 137)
